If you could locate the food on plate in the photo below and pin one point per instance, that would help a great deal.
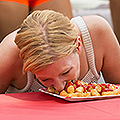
(82, 89)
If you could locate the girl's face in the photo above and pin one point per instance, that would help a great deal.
(58, 73)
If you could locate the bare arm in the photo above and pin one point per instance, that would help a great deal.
(111, 61)
(8, 61)
(106, 48)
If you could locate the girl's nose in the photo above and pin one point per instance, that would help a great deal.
(59, 84)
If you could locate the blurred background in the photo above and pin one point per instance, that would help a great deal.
(16, 13)
(88, 7)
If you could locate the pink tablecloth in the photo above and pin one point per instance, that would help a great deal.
(40, 106)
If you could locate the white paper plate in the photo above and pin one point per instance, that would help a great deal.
(80, 98)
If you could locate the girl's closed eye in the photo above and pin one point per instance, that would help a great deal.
(45, 79)
(66, 72)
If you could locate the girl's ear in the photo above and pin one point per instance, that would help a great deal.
(78, 44)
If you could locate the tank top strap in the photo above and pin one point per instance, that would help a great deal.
(87, 42)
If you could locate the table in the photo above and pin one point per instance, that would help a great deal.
(40, 106)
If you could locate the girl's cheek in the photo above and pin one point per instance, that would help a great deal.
(75, 74)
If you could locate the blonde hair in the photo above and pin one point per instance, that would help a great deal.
(45, 36)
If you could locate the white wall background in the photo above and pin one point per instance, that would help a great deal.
(90, 7)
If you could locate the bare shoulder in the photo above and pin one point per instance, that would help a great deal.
(8, 48)
(106, 47)
(10, 37)
(96, 21)
(9, 60)
(98, 26)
